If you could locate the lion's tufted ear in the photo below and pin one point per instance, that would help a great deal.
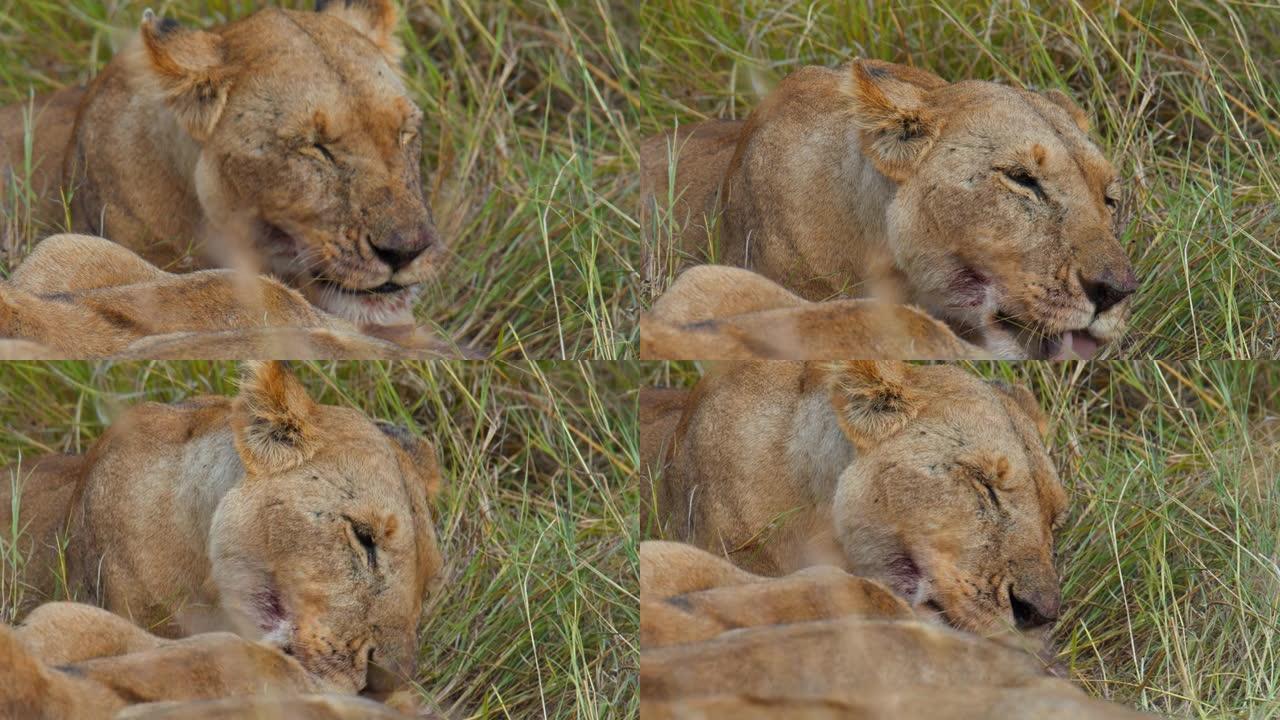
(375, 19)
(190, 72)
(897, 124)
(1062, 100)
(871, 399)
(272, 419)
(421, 453)
(1025, 401)
(422, 457)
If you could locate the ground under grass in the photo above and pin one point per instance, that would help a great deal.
(1183, 97)
(538, 615)
(524, 152)
(1170, 561)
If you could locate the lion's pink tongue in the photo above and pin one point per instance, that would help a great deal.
(1077, 345)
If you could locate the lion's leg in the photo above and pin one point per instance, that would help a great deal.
(62, 633)
(44, 487)
(75, 263)
(30, 688)
(660, 412)
(814, 593)
(671, 568)
(52, 117)
(680, 218)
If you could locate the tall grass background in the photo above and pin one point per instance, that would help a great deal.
(1184, 97)
(537, 615)
(1170, 559)
(526, 153)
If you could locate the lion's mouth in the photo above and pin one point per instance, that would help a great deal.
(1079, 344)
(386, 288)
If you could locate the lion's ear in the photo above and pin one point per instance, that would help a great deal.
(1062, 100)
(375, 19)
(190, 71)
(897, 124)
(421, 453)
(272, 419)
(871, 399)
(1027, 402)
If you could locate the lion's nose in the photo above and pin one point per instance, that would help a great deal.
(398, 249)
(1035, 609)
(1108, 289)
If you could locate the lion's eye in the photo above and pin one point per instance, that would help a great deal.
(325, 151)
(1023, 178)
(365, 537)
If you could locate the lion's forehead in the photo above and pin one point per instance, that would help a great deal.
(309, 54)
(988, 118)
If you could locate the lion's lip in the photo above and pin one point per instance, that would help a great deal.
(386, 288)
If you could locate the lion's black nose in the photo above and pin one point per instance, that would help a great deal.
(1034, 610)
(1108, 289)
(398, 249)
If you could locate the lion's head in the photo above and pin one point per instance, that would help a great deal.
(326, 548)
(307, 149)
(1004, 212)
(950, 499)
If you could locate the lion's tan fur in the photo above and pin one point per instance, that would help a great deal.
(84, 662)
(717, 642)
(81, 296)
(885, 181)
(714, 312)
(867, 466)
(305, 525)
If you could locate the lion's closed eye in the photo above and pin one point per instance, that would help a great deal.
(1019, 177)
(363, 538)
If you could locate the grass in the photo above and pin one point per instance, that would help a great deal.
(1184, 97)
(538, 616)
(1170, 561)
(526, 153)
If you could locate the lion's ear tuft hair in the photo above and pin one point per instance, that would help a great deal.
(421, 453)
(871, 399)
(1062, 100)
(375, 19)
(189, 70)
(897, 124)
(1027, 403)
(272, 419)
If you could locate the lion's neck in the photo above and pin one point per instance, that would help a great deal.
(210, 467)
(132, 169)
(817, 449)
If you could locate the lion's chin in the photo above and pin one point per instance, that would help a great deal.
(385, 305)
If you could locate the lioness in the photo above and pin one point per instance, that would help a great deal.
(83, 296)
(305, 526)
(713, 312)
(925, 478)
(284, 142)
(986, 205)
